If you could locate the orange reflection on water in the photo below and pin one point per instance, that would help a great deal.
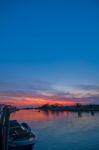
(27, 115)
(31, 115)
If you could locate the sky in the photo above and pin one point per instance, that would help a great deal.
(49, 51)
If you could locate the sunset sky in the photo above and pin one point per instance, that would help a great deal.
(49, 52)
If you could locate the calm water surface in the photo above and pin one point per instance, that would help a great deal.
(63, 130)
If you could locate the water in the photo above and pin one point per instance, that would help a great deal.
(62, 130)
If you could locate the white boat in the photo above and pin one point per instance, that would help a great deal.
(21, 136)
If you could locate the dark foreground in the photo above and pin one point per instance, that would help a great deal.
(11, 133)
(22, 148)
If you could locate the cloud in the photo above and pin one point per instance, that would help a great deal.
(94, 88)
(20, 94)
(34, 85)
(40, 85)
(45, 91)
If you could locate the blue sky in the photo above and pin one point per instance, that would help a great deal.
(53, 42)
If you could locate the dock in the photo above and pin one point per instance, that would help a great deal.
(4, 129)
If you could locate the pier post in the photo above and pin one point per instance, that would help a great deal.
(4, 128)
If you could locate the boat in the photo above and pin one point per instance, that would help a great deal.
(20, 136)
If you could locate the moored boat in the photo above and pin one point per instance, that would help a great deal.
(20, 136)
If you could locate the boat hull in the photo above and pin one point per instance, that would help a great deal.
(26, 147)
(22, 145)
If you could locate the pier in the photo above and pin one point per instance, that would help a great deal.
(5, 112)
(4, 127)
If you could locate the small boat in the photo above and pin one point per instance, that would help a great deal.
(20, 136)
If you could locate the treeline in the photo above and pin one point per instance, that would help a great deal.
(77, 107)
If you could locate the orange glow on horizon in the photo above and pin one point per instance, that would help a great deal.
(39, 101)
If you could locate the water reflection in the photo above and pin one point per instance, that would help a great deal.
(80, 114)
(31, 115)
(92, 113)
(62, 130)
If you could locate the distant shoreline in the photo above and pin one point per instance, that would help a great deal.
(75, 108)
(59, 108)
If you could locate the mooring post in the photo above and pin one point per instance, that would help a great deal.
(4, 128)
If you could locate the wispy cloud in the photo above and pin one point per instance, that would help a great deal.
(45, 91)
(94, 88)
